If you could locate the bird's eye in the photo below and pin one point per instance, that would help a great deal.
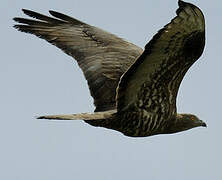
(192, 118)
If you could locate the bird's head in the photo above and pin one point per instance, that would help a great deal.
(192, 120)
(186, 121)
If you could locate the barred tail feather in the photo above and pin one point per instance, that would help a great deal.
(83, 116)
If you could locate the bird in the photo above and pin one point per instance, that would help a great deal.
(134, 90)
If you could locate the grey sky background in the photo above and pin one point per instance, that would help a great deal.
(37, 78)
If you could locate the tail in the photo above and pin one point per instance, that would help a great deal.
(84, 116)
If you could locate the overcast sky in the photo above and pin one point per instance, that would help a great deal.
(37, 78)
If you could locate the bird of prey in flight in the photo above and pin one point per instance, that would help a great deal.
(134, 90)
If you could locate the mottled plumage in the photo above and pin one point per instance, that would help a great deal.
(134, 91)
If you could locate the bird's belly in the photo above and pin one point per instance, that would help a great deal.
(141, 124)
(138, 123)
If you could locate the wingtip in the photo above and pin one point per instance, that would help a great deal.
(15, 26)
(54, 13)
(184, 4)
(15, 19)
(26, 11)
(181, 4)
(18, 27)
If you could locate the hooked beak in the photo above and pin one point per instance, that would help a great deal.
(203, 124)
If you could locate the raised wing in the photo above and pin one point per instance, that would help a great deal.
(152, 82)
(103, 57)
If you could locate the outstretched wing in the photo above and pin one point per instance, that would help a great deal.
(152, 82)
(103, 57)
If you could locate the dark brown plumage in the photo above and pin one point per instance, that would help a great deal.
(146, 82)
